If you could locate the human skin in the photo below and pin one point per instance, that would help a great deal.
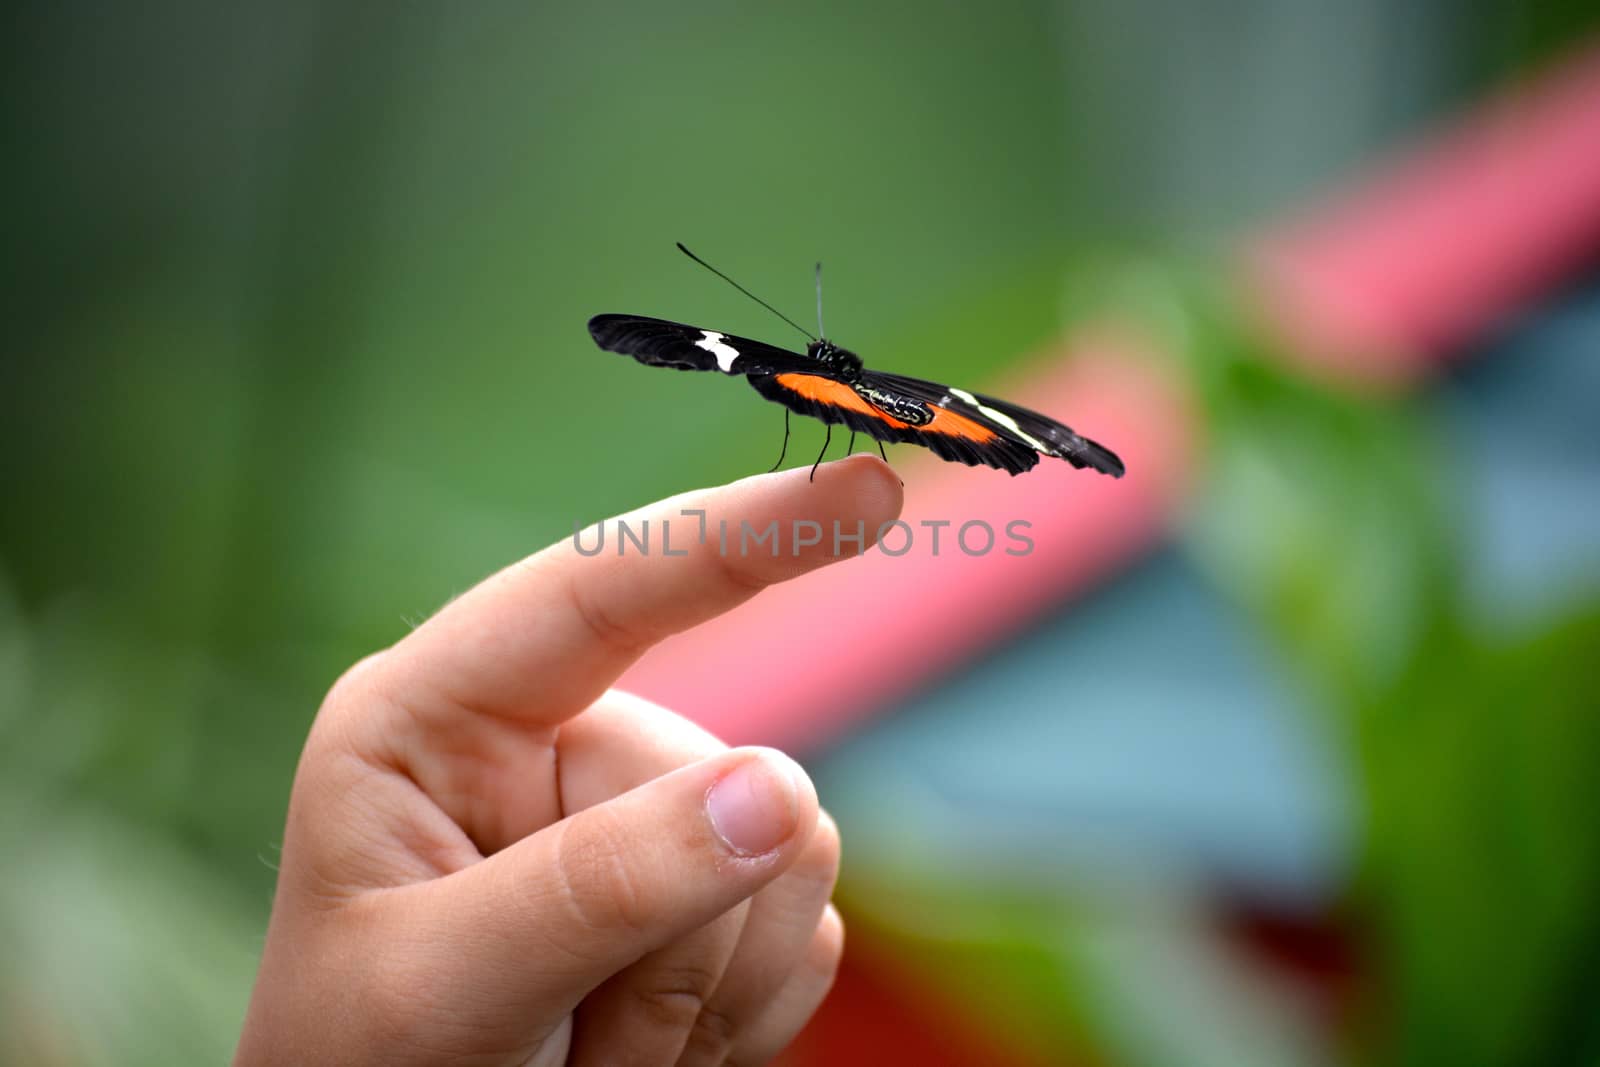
(492, 857)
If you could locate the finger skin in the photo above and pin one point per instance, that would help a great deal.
(544, 638)
(644, 1014)
(645, 1006)
(491, 961)
(552, 917)
(797, 1001)
(621, 743)
(783, 921)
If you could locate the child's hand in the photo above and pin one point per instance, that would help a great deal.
(492, 858)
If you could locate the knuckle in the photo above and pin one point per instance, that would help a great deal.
(712, 1037)
(345, 707)
(599, 885)
(358, 682)
(737, 571)
(674, 997)
(602, 626)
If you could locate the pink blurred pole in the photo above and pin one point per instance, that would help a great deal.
(1447, 242)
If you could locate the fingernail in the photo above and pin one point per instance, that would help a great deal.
(755, 806)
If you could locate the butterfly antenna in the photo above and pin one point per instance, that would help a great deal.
(820, 331)
(743, 290)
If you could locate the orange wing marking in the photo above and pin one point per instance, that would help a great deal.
(951, 424)
(839, 395)
(835, 394)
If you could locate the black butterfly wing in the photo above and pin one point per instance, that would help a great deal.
(1035, 432)
(660, 343)
(956, 425)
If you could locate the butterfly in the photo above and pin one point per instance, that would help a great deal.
(830, 383)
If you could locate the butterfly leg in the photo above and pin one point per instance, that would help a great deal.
(826, 441)
(785, 450)
(885, 456)
(852, 448)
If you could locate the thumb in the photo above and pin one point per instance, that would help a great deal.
(559, 912)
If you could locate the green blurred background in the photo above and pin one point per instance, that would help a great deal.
(295, 352)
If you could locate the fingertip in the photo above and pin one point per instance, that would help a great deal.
(879, 489)
(831, 930)
(869, 479)
(762, 802)
(827, 829)
(778, 759)
(822, 851)
(858, 489)
(807, 807)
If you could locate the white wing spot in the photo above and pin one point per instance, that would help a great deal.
(1004, 420)
(726, 354)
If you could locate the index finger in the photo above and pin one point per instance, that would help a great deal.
(545, 637)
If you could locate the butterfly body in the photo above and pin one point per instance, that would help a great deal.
(830, 383)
